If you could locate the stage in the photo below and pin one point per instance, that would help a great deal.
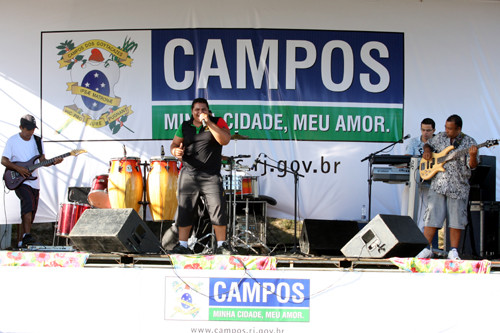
(113, 274)
(81, 292)
(283, 262)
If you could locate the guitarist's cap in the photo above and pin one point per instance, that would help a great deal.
(28, 122)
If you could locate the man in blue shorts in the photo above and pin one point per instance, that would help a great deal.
(449, 190)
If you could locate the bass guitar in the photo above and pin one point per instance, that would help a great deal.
(428, 168)
(14, 179)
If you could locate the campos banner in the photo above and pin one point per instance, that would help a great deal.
(305, 98)
(282, 84)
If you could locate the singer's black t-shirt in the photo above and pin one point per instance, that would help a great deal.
(202, 153)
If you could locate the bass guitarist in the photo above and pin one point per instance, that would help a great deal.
(22, 147)
(449, 190)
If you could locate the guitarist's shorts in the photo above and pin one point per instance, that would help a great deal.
(441, 207)
(29, 199)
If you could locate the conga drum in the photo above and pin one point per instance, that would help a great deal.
(98, 196)
(161, 188)
(125, 184)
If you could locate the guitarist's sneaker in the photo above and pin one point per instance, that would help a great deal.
(424, 254)
(453, 254)
(28, 239)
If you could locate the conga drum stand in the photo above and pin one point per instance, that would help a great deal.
(144, 201)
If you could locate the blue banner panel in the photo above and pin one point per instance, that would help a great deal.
(277, 65)
(259, 292)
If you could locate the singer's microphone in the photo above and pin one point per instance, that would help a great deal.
(204, 123)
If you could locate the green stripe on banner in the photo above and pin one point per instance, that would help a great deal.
(259, 314)
(289, 122)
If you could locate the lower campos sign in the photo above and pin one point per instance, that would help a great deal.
(236, 299)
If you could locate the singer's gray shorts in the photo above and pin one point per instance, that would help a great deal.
(189, 189)
(441, 207)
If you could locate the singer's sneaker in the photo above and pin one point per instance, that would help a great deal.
(453, 254)
(225, 249)
(424, 254)
(179, 249)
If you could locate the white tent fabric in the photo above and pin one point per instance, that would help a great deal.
(451, 66)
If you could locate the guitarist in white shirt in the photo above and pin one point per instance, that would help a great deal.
(449, 190)
(22, 147)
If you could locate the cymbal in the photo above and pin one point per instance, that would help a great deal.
(240, 167)
(238, 136)
(227, 158)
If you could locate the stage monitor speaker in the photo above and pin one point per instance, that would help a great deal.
(386, 236)
(113, 230)
(326, 236)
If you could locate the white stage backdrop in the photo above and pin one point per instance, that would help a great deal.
(314, 93)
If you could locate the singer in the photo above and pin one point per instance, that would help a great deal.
(198, 144)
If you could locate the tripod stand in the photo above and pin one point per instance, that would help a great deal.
(296, 175)
(370, 159)
(241, 236)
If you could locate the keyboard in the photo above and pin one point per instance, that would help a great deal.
(391, 174)
(391, 159)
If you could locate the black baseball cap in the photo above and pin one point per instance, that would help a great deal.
(28, 122)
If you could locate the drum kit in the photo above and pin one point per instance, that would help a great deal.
(124, 186)
(240, 187)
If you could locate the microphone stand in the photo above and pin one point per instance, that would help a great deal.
(370, 159)
(296, 175)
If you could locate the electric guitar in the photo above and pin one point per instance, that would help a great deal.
(14, 179)
(428, 168)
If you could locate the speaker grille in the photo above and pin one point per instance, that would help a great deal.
(113, 230)
(386, 236)
(326, 236)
